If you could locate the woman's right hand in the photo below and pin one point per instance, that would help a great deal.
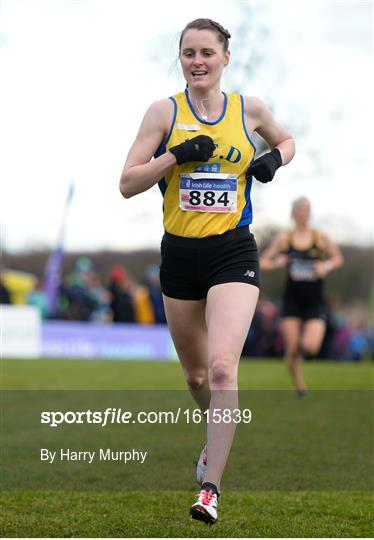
(199, 148)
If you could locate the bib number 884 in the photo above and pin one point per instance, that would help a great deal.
(209, 198)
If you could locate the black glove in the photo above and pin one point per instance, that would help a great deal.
(263, 168)
(199, 148)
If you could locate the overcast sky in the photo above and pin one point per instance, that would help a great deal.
(77, 77)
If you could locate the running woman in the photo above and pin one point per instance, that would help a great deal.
(204, 162)
(309, 255)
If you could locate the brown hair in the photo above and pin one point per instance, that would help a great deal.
(223, 35)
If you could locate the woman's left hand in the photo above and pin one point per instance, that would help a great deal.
(322, 268)
(264, 168)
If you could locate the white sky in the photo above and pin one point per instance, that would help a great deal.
(77, 77)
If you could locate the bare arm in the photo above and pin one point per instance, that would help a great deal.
(334, 258)
(140, 171)
(272, 257)
(259, 118)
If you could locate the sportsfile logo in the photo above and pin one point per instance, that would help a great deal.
(108, 416)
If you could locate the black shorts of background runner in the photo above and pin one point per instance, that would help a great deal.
(190, 266)
(300, 308)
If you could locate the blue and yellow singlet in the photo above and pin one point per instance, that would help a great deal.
(205, 199)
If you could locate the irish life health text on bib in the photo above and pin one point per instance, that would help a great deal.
(208, 192)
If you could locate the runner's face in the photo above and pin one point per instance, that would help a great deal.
(301, 213)
(203, 59)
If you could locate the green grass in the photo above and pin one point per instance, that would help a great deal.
(114, 375)
(155, 513)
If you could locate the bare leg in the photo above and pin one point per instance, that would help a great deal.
(230, 309)
(313, 334)
(291, 328)
(186, 321)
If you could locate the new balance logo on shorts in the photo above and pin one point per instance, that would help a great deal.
(249, 273)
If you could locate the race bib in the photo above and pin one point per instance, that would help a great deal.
(302, 270)
(208, 192)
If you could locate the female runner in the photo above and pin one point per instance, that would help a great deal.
(309, 256)
(200, 140)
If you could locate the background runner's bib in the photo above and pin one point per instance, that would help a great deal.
(219, 199)
(301, 270)
(301, 262)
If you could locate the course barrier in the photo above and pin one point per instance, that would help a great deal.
(24, 335)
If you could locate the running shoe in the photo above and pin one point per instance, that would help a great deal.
(201, 466)
(205, 508)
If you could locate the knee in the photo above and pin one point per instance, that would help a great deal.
(222, 373)
(292, 354)
(310, 350)
(197, 380)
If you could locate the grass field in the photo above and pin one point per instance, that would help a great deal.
(152, 513)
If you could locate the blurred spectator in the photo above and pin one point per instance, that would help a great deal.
(144, 313)
(122, 299)
(80, 301)
(152, 282)
(252, 344)
(101, 296)
(358, 344)
(327, 349)
(18, 284)
(341, 338)
(264, 336)
(270, 342)
(371, 343)
(38, 298)
(4, 293)
(130, 301)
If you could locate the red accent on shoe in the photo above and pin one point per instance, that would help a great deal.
(207, 497)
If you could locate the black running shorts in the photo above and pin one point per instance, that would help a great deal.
(305, 310)
(190, 266)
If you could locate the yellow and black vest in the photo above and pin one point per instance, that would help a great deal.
(234, 153)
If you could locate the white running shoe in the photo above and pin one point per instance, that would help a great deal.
(201, 466)
(205, 508)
